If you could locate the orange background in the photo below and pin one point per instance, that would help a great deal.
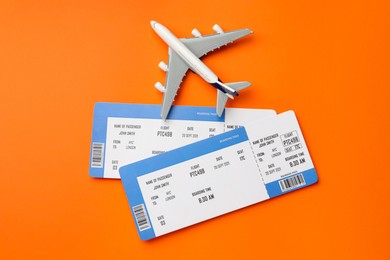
(329, 62)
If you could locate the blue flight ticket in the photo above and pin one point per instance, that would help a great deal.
(217, 175)
(126, 133)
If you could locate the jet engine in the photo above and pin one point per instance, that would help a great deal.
(196, 33)
(163, 66)
(159, 87)
(217, 28)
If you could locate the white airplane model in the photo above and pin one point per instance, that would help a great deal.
(184, 54)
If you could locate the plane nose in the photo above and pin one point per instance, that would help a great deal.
(153, 23)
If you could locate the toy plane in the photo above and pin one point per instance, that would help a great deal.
(185, 53)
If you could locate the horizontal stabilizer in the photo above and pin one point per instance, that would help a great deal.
(222, 97)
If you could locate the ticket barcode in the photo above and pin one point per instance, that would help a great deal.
(97, 155)
(292, 182)
(141, 217)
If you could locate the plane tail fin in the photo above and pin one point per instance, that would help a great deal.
(222, 97)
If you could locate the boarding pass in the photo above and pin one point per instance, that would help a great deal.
(217, 175)
(126, 133)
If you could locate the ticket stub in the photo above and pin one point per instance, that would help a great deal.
(217, 175)
(126, 133)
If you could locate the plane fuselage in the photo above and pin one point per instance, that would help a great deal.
(193, 62)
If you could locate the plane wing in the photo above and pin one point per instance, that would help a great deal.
(177, 68)
(200, 46)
